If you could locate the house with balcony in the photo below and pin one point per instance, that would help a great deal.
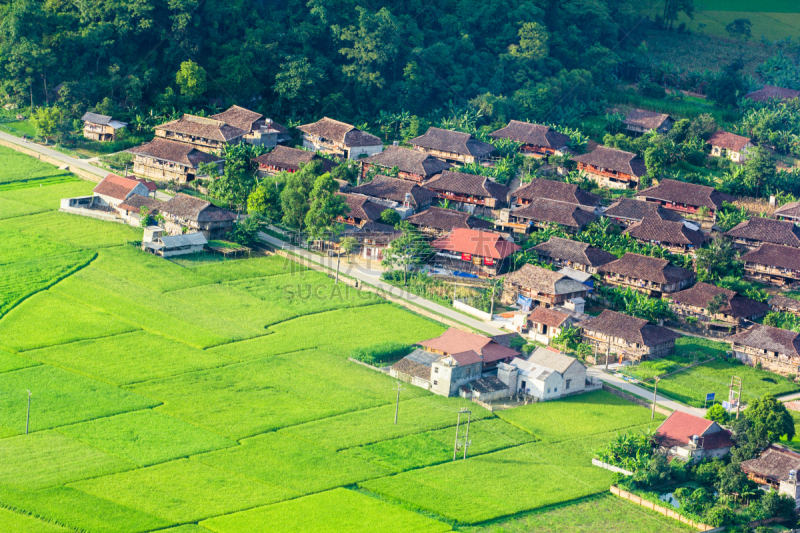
(163, 160)
(541, 286)
(772, 264)
(640, 121)
(402, 193)
(537, 140)
(203, 133)
(546, 323)
(187, 214)
(373, 239)
(729, 145)
(776, 349)
(469, 192)
(612, 168)
(452, 146)
(686, 198)
(360, 210)
(437, 221)
(770, 92)
(478, 252)
(676, 237)
(627, 211)
(101, 127)
(556, 191)
(783, 304)
(573, 254)
(411, 165)
(260, 131)
(735, 312)
(649, 275)
(541, 213)
(789, 212)
(285, 159)
(626, 338)
(752, 233)
(340, 139)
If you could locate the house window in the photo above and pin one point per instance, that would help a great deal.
(555, 390)
(435, 382)
(436, 369)
(568, 383)
(548, 391)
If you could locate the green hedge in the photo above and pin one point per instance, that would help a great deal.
(381, 353)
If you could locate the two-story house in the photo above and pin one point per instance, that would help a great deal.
(203, 133)
(677, 237)
(184, 213)
(627, 211)
(752, 233)
(541, 286)
(650, 275)
(469, 192)
(402, 193)
(641, 121)
(339, 139)
(541, 213)
(612, 168)
(776, 349)
(480, 252)
(285, 159)
(772, 264)
(557, 191)
(537, 140)
(452, 146)
(624, 337)
(734, 312)
(164, 160)
(410, 164)
(437, 221)
(260, 131)
(573, 254)
(686, 198)
(101, 127)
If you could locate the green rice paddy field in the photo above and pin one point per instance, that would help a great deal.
(216, 397)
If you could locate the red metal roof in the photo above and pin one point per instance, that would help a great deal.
(115, 186)
(474, 242)
(456, 342)
(678, 429)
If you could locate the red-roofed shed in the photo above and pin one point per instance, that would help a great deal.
(692, 437)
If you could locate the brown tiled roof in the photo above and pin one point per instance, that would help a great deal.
(207, 128)
(191, 208)
(137, 201)
(648, 120)
(455, 341)
(556, 190)
(467, 357)
(447, 220)
(543, 210)
(628, 328)
(115, 186)
(784, 302)
(375, 231)
(412, 368)
(475, 242)
(774, 255)
(544, 281)
(647, 268)
(613, 159)
(341, 132)
(362, 208)
(96, 118)
(468, 184)
(174, 152)
(452, 141)
(548, 317)
(686, 193)
(636, 210)
(666, 232)
(792, 209)
(292, 158)
(767, 230)
(770, 92)
(574, 251)
(775, 463)
(729, 141)
(239, 117)
(410, 161)
(395, 189)
(533, 134)
(701, 294)
(769, 338)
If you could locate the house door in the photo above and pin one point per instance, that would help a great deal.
(523, 385)
(544, 329)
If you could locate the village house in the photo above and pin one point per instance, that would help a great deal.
(691, 438)
(627, 211)
(101, 127)
(285, 159)
(196, 215)
(361, 210)
(205, 134)
(260, 131)
(469, 192)
(164, 160)
(452, 146)
(776, 349)
(537, 140)
(642, 121)
(573, 254)
(537, 285)
(437, 221)
(114, 190)
(612, 168)
(546, 375)
(172, 245)
(546, 323)
(130, 210)
(752, 233)
(687, 198)
(650, 275)
(677, 237)
(478, 252)
(410, 164)
(627, 337)
(730, 145)
(373, 239)
(790, 212)
(770, 92)
(772, 264)
(776, 467)
(404, 194)
(340, 139)
(734, 312)
(557, 191)
(782, 304)
(542, 213)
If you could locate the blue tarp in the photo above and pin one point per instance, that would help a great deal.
(464, 274)
(525, 302)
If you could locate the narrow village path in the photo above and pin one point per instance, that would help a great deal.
(49, 152)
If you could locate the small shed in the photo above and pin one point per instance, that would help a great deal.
(168, 246)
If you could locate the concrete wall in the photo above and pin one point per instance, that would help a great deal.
(576, 374)
(461, 306)
(663, 510)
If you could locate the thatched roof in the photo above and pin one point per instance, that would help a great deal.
(574, 251)
(767, 230)
(680, 192)
(206, 128)
(341, 132)
(665, 232)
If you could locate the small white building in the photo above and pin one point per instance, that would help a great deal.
(168, 246)
(114, 190)
(547, 375)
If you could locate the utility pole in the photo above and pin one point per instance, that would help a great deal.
(338, 257)
(608, 349)
(736, 381)
(397, 405)
(28, 419)
(491, 314)
(466, 437)
(466, 442)
(655, 391)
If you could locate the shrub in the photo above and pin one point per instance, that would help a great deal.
(719, 516)
(380, 353)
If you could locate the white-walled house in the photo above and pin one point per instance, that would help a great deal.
(547, 375)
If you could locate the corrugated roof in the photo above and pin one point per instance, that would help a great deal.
(187, 239)
(480, 243)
